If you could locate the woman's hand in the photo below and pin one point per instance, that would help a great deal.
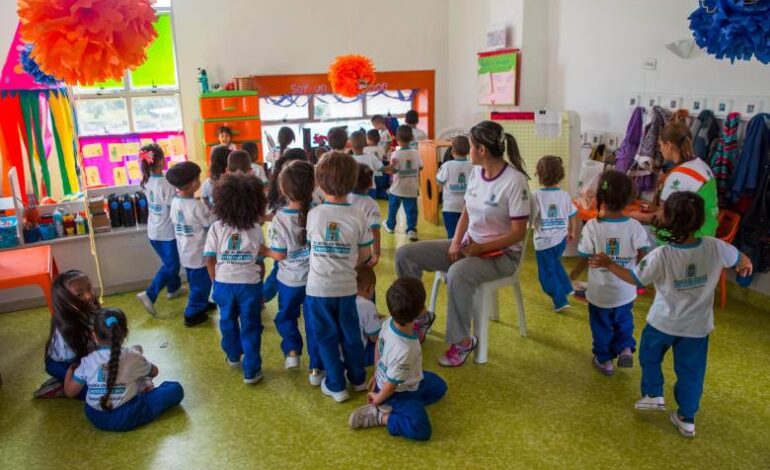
(455, 252)
(599, 260)
(472, 249)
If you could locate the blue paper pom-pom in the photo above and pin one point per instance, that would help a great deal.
(30, 66)
(733, 29)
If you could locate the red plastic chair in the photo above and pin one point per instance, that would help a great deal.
(26, 266)
(729, 222)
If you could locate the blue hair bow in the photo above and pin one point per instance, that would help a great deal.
(109, 321)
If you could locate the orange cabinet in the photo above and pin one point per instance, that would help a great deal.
(238, 110)
(243, 130)
(431, 153)
(221, 107)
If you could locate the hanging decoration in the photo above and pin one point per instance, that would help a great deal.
(30, 66)
(87, 41)
(351, 75)
(733, 29)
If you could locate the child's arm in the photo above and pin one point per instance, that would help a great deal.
(601, 260)
(71, 387)
(276, 255)
(364, 252)
(153, 371)
(744, 266)
(375, 247)
(211, 264)
(572, 229)
(579, 268)
(385, 392)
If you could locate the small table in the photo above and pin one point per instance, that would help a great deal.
(587, 214)
(28, 266)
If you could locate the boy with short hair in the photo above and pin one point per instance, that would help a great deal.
(373, 144)
(361, 199)
(252, 149)
(412, 119)
(400, 388)
(225, 135)
(386, 141)
(239, 161)
(358, 144)
(338, 138)
(191, 219)
(369, 321)
(453, 178)
(405, 165)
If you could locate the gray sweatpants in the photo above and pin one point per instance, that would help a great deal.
(463, 278)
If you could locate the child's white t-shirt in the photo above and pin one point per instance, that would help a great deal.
(93, 371)
(236, 252)
(191, 219)
(159, 193)
(407, 164)
(335, 232)
(385, 141)
(400, 359)
(369, 207)
(555, 208)
(283, 236)
(685, 278)
(259, 172)
(492, 203)
(680, 181)
(59, 350)
(207, 191)
(453, 176)
(368, 321)
(620, 239)
(419, 134)
(372, 161)
(375, 150)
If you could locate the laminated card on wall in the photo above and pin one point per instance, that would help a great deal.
(498, 77)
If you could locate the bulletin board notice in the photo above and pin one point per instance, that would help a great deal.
(498, 75)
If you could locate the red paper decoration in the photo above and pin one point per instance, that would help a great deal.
(87, 41)
(351, 75)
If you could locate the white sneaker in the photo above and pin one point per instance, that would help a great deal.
(562, 308)
(177, 293)
(368, 416)
(361, 388)
(339, 397)
(651, 403)
(233, 364)
(412, 236)
(388, 229)
(686, 429)
(291, 362)
(315, 377)
(146, 303)
(254, 379)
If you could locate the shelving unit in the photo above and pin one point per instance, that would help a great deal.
(238, 110)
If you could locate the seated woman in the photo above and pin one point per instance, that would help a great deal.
(487, 242)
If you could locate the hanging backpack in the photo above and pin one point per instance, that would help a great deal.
(705, 135)
(624, 156)
(724, 158)
(745, 179)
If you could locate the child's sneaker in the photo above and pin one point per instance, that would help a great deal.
(177, 293)
(388, 229)
(146, 303)
(315, 377)
(291, 361)
(626, 359)
(686, 428)
(369, 416)
(196, 319)
(651, 403)
(339, 397)
(412, 236)
(422, 325)
(605, 368)
(562, 308)
(456, 355)
(233, 364)
(251, 380)
(360, 387)
(51, 388)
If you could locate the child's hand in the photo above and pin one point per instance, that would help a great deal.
(373, 398)
(570, 237)
(599, 260)
(744, 266)
(373, 260)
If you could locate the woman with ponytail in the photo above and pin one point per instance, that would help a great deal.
(488, 239)
(289, 247)
(121, 395)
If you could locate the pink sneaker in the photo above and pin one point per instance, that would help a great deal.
(457, 354)
(422, 325)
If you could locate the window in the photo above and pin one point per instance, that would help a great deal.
(103, 116)
(334, 107)
(156, 113)
(388, 102)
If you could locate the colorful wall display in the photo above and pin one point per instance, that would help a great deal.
(498, 73)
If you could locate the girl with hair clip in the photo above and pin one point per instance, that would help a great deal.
(121, 395)
(290, 248)
(217, 168)
(69, 340)
(160, 229)
(487, 242)
(685, 274)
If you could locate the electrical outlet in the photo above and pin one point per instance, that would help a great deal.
(650, 63)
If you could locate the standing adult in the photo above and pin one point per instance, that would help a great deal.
(488, 239)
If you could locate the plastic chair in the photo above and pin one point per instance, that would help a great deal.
(729, 222)
(27, 266)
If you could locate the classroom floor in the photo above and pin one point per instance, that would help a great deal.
(538, 403)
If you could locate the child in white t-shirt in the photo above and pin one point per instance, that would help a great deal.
(361, 200)
(386, 141)
(555, 226)
(452, 177)
(358, 143)
(252, 149)
(234, 246)
(412, 119)
(340, 240)
(382, 182)
(121, 395)
(192, 219)
(610, 300)
(405, 165)
(400, 388)
(217, 168)
(685, 274)
(369, 321)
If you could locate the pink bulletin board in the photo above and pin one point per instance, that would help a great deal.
(113, 160)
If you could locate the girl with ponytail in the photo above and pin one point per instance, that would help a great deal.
(120, 394)
(290, 248)
(488, 238)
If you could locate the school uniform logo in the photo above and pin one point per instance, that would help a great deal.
(642, 265)
(691, 280)
(273, 233)
(332, 232)
(492, 200)
(524, 195)
(461, 184)
(553, 211)
(234, 243)
(675, 185)
(180, 227)
(612, 247)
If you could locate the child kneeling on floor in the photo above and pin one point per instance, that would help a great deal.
(400, 388)
(685, 274)
(369, 321)
(121, 395)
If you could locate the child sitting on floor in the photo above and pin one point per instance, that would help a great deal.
(405, 165)
(369, 321)
(360, 199)
(400, 388)
(555, 226)
(685, 274)
(452, 177)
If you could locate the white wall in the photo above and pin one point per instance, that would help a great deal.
(248, 37)
(8, 22)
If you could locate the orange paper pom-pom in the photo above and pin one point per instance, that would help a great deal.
(87, 41)
(351, 75)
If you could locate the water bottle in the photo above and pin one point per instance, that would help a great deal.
(58, 222)
(80, 225)
(113, 203)
(203, 80)
(142, 211)
(128, 211)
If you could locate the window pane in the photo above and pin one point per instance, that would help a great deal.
(278, 108)
(322, 128)
(330, 107)
(272, 132)
(156, 113)
(388, 102)
(159, 70)
(106, 86)
(103, 117)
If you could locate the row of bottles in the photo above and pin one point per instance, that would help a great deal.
(127, 210)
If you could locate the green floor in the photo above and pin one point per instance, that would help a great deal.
(538, 403)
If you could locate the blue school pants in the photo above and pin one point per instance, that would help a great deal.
(553, 278)
(270, 285)
(450, 222)
(168, 275)
(409, 418)
(141, 409)
(689, 365)
(612, 330)
(58, 370)
(410, 208)
(240, 321)
(369, 353)
(372, 193)
(290, 300)
(334, 322)
(200, 287)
